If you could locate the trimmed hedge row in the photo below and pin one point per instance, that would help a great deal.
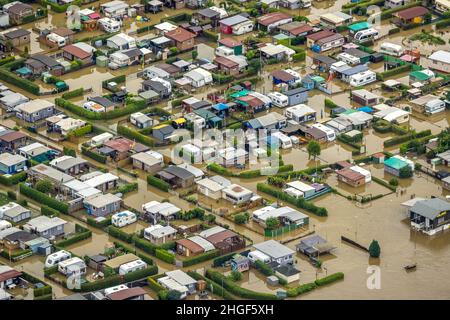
(43, 198)
(129, 187)
(264, 268)
(136, 136)
(154, 285)
(80, 132)
(103, 224)
(93, 155)
(47, 211)
(201, 257)
(24, 84)
(393, 72)
(406, 137)
(217, 288)
(158, 183)
(293, 292)
(236, 289)
(384, 183)
(300, 202)
(13, 179)
(119, 234)
(80, 236)
(219, 261)
(5, 254)
(72, 94)
(118, 79)
(165, 256)
(118, 279)
(329, 279)
(387, 14)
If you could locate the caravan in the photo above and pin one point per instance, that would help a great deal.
(258, 256)
(72, 266)
(366, 35)
(435, 106)
(362, 78)
(110, 25)
(331, 134)
(283, 140)
(5, 225)
(56, 39)
(115, 289)
(100, 139)
(223, 51)
(57, 257)
(391, 49)
(132, 266)
(123, 218)
(348, 59)
(278, 99)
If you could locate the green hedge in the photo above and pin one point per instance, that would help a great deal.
(384, 183)
(257, 173)
(13, 179)
(47, 211)
(330, 103)
(75, 238)
(443, 24)
(119, 234)
(387, 14)
(129, 187)
(264, 268)
(42, 198)
(15, 254)
(135, 136)
(154, 285)
(24, 84)
(81, 132)
(165, 256)
(217, 168)
(39, 292)
(393, 72)
(190, 261)
(300, 56)
(329, 279)
(217, 288)
(145, 245)
(118, 79)
(93, 155)
(300, 202)
(103, 224)
(236, 289)
(72, 94)
(158, 183)
(219, 261)
(51, 270)
(118, 279)
(293, 292)
(6, 60)
(406, 137)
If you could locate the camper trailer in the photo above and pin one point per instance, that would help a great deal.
(362, 78)
(278, 99)
(223, 51)
(331, 134)
(118, 288)
(99, 140)
(435, 106)
(258, 256)
(72, 266)
(123, 218)
(4, 225)
(391, 49)
(132, 266)
(56, 39)
(366, 35)
(57, 257)
(348, 59)
(109, 25)
(283, 140)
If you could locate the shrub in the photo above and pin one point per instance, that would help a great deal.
(219, 261)
(93, 155)
(158, 183)
(51, 270)
(13, 179)
(304, 288)
(241, 218)
(165, 256)
(117, 79)
(236, 289)
(47, 211)
(44, 186)
(72, 94)
(374, 249)
(300, 56)
(217, 168)
(103, 224)
(329, 279)
(135, 135)
(200, 258)
(235, 276)
(264, 268)
(154, 285)
(406, 172)
(44, 199)
(393, 182)
(216, 288)
(80, 132)
(129, 187)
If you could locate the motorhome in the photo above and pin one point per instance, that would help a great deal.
(132, 266)
(114, 289)
(283, 140)
(109, 25)
(366, 35)
(223, 51)
(5, 225)
(101, 139)
(56, 39)
(123, 218)
(258, 256)
(391, 49)
(348, 59)
(331, 134)
(278, 99)
(57, 257)
(72, 266)
(362, 78)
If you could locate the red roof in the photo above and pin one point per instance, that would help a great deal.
(283, 75)
(94, 16)
(226, 62)
(127, 294)
(10, 274)
(273, 17)
(179, 35)
(190, 245)
(411, 13)
(230, 43)
(8, 137)
(76, 52)
(320, 35)
(221, 236)
(251, 101)
(300, 29)
(350, 174)
(120, 144)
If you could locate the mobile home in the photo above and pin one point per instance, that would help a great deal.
(366, 35)
(72, 266)
(5, 225)
(132, 266)
(330, 133)
(278, 99)
(57, 257)
(101, 139)
(362, 78)
(123, 218)
(391, 49)
(283, 140)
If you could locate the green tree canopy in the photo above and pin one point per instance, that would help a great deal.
(313, 149)
(374, 249)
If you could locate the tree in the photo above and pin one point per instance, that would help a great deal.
(313, 149)
(194, 54)
(44, 186)
(173, 295)
(374, 249)
(241, 218)
(393, 182)
(406, 172)
(272, 223)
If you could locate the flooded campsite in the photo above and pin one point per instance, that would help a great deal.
(224, 150)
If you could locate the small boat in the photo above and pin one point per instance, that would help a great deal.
(410, 266)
